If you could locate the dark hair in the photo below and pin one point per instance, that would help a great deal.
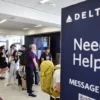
(47, 48)
(12, 45)
(24, 46)
(14, 53)
(2, 47)
(15, 57)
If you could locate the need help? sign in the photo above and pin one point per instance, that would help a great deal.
(80, 79)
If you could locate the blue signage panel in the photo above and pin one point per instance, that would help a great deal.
(80, 76)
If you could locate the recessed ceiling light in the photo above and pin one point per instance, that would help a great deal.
(2, 21)
(38, 26)
(25, 28)
(43, 1)
(52, 4)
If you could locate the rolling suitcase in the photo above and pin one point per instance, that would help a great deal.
(23, 84)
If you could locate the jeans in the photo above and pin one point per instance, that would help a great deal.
(13, 69)
(37, 78)
(29, 79)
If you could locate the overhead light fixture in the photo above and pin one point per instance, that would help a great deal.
(43, 1)
(25, 28)
(52, 4)
(2, 21)
(38, 26)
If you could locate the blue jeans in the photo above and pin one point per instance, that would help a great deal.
(37, 78)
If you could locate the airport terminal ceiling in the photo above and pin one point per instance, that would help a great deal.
(25, 22)
(27, 17)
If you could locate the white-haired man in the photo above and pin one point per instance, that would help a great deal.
(31, 66)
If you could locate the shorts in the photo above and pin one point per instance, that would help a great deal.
(0, 66)
(4, 65)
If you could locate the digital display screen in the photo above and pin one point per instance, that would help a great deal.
(39, 54)
(45, 42)
(39, 44)
(35, 41)
(43, 50)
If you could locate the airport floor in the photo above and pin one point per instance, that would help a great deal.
(13, 92)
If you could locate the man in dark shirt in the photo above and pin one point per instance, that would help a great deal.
(21, 52)
(31, 66)
(46, 55)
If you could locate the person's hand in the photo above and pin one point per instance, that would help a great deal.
(37, 68)
(8, 69)
(9, 54)
(0, 71)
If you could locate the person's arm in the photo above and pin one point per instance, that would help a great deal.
(33, 57)
(58, 87)
(50, 57)
(35, 63)
(58, 80)
(11, 59)
(42, 57)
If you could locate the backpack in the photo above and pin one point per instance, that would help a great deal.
(46, 76)
(24, 58)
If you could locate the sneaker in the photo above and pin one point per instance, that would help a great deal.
(2, 78)
(32, 95)
(7, 84)
(23, 89)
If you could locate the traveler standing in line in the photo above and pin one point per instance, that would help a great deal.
(32, 64)
(3, 62)
(50, 79)
(12, 49)
(22, 54)
(10, 53)
(56, 83)
(46, 55)
(13, 67)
